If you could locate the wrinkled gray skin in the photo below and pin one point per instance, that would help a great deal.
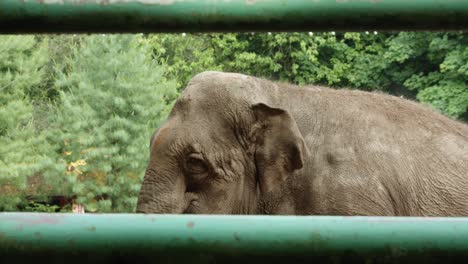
(235, 144)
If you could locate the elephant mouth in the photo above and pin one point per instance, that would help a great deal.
(191, 204)
(189, 210)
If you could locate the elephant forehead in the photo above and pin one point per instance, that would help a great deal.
(160, 136)
(180, 132)
(163, 133)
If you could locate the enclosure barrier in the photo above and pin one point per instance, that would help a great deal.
(200, 238)
(36, 16)
(294, 236)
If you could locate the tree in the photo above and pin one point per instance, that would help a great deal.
(112, 97)
(439, 75)
(184, 55)
(77, 112)
(24, 153)
(429, 67)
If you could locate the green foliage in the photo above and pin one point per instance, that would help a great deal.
(43, 208)
(77, 111)
(430, 67)
(183, 56)
(23, 150)
(76, 117)
(450, 98)
(111, 99)
(440, 72)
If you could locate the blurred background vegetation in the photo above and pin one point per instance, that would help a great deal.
(77, 111)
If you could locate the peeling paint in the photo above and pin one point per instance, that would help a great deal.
(358, 1)
(47, 2)
(43, 219)
(37, 235)
(106, 2)
(252, 2)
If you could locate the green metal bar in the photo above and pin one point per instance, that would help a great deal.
(93, 16)
(234, 235)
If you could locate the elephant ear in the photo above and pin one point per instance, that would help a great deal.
(279, 146)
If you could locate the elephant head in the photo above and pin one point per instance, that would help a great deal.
(226, 148)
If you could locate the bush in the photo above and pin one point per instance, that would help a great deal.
(111, 99)
(24, 152)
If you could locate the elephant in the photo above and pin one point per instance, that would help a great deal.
(236, 144)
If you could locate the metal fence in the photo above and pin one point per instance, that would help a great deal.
(78, 238)
(26, 16)
(195, 237)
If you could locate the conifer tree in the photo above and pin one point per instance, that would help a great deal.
(112, 98)
(24, 153)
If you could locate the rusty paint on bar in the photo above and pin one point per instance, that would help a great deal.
(238, 235)
(131, 16)
(106, 2)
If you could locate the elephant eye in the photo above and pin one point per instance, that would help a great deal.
(196, 165)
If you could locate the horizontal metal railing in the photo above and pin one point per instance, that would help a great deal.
(36, 16)
(235, 235)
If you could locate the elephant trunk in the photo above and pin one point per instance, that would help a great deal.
(161, 194)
